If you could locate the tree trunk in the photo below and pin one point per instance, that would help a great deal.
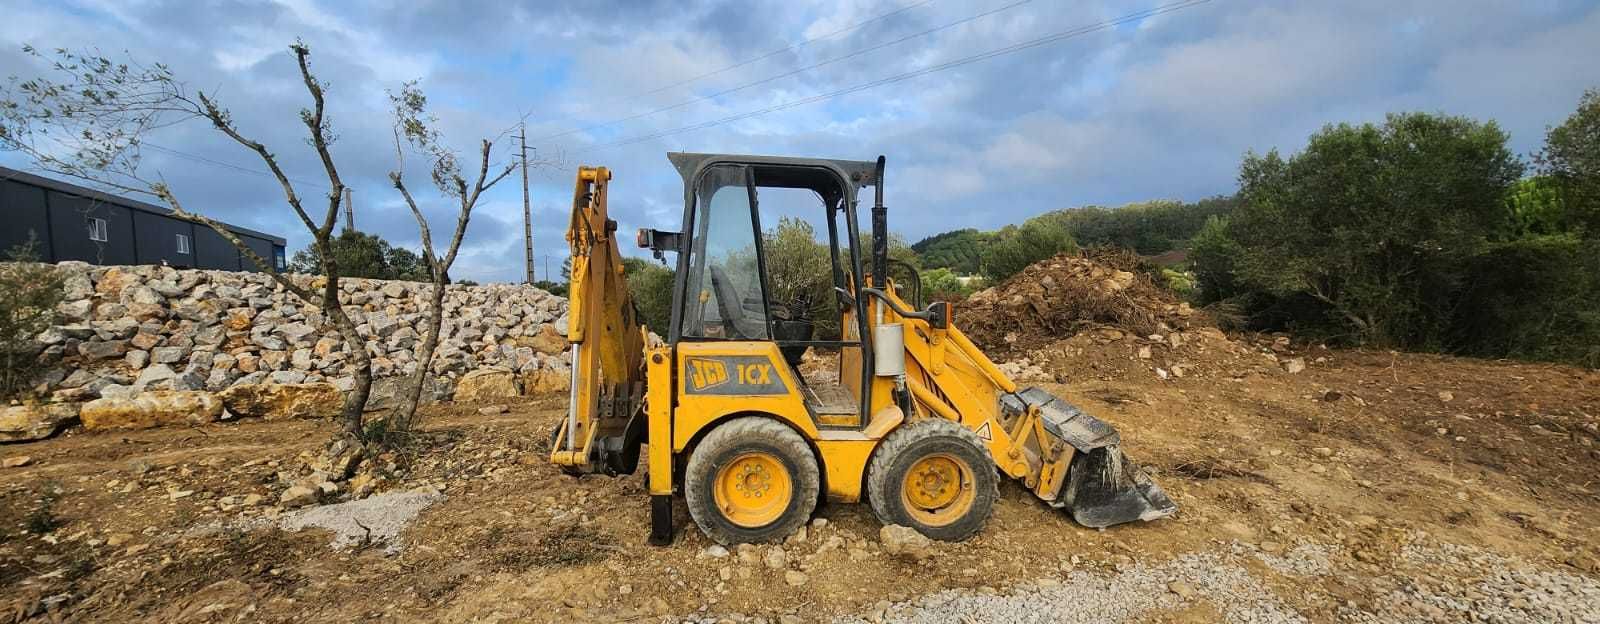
(406, 413)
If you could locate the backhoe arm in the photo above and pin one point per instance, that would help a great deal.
(602, 430)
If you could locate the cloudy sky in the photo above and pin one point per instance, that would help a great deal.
(981, 128)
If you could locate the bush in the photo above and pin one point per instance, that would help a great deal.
(1533, 298)
(943, 284)
(29, 293)
(650, 286)
(1016, 247)
(1374, 223)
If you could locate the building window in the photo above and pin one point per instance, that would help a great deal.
(183, 244)
(278, 259)
(97, 228)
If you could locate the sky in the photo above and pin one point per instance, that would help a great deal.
(989, 111)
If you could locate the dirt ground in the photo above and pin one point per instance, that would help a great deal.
(1360, 450)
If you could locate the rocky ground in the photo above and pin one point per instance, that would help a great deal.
(1315, 485)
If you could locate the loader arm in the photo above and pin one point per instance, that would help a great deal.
(1066, 457)
(603, 427)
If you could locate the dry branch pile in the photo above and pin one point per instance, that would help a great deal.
(1057, 297)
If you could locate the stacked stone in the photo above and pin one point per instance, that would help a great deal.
(129, 330)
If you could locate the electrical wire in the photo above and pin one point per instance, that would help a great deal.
(793, 72)
(959, 62)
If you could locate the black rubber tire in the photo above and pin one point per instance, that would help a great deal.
(903, 447)
(730, 440)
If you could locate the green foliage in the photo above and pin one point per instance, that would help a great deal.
(958, 250)
(1016, 247)
(1536, 297)
(1148, 228)
(1571, 158)
(1536, 207)
(1375, 222)
(650, 286)
(943, 283)
(1212, 255)
(365, 255)
(29, 293)
(555, 288)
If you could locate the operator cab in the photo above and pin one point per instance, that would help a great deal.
(742, 277)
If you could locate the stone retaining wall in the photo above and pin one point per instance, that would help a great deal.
(157, 334)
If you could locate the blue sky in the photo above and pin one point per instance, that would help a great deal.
(1159, 108)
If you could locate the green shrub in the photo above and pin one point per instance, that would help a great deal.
(1016, 247)
(29, 293)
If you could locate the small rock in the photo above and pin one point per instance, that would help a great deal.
(714, 551)
(1446, 396)
(1323, 451)
(298, 496)
(905, 541)
(1294, 365)
(493, 410)
(16, 461)
(1182, 589)
(776, 559)
(795, 578)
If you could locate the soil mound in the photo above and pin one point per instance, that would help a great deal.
(1055, 298)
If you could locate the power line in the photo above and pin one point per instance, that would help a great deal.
(801, 70)
(966, 60)
(226, 165)
(796, 46)
(756, 59)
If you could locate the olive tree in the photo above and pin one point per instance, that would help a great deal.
(87, 117)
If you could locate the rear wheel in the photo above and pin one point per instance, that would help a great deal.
(751, 479)
(933, 476)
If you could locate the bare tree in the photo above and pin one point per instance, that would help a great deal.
(90, 124)
(414, 126)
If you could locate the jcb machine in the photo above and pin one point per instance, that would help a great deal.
(917, 421)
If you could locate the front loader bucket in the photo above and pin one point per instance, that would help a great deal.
(1103, 486)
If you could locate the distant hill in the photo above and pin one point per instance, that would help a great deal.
(1149, 228)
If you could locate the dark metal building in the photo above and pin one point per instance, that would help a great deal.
(70, 222)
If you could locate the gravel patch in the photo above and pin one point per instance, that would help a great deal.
(373, 520)
(1452, 582)
(1430, 582)
(1127, 595)
(1302, 560)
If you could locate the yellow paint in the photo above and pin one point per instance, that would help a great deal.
(658, 407)
(938, 489)
(753, 490)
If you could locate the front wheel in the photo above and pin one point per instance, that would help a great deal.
(751, 480)
(934, 476)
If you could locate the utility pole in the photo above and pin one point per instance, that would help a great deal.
(527, 212)
(349, 209)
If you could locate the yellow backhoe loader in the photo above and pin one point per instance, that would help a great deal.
(917, 420)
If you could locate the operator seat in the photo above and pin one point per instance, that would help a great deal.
(735, 319)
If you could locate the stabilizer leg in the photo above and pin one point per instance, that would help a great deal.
(661, 520)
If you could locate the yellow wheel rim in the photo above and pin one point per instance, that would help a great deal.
(753, 490)
(938, 490)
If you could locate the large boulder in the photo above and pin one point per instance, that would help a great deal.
(282, 401)
(486, 384)
(546, 382)
(21, 423)
(548, 340)
(151, 409)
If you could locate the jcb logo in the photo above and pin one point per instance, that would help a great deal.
(705, 373)
(732, 375)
